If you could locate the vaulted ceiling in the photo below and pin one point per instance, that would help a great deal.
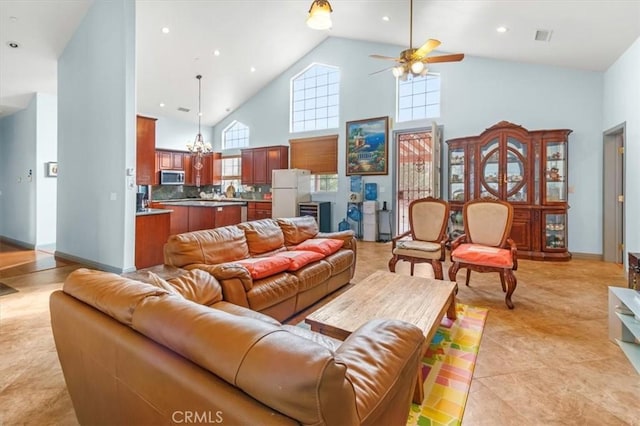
(270, 36)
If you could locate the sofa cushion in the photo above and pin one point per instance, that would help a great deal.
(326, 246)
(241, 311)
(271, 291)
(195, 285)
(312, 275)
(262, 236)
(262, 267)
(298, 229)
(209, 246)
(340, 261)
(300, 258)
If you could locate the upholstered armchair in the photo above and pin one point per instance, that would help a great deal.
(425, 240)
(485, 246)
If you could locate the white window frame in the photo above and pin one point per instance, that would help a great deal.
(315, 183)
(229, 128)
(420, 96)
(317, 107)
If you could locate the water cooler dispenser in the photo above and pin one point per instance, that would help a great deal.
(370, 221)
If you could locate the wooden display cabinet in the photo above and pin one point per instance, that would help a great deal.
(526, 168)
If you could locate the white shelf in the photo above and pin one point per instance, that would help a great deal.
(625, 329)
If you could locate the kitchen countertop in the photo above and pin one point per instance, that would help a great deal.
(223, 200)
(195, 202)
(147, 212)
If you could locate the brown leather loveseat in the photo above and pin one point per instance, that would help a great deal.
(274, 266)
(140, 354)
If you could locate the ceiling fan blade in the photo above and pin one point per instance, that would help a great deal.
(388, 58)
(426, 48)
(444, 58)
(382, 70)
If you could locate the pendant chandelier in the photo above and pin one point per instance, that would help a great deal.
(199, 147)
(319, 15)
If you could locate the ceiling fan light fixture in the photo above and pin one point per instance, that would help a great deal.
(417, 67)
(397, 71)
(320, 15)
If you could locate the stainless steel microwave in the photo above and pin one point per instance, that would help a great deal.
(171, 177)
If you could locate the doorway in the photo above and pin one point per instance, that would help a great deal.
(417, 170)
(613, 195)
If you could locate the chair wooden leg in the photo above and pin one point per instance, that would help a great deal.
(437, 269)
(411, 268)
(453, 270)
(504, 288)
(512, 282)
(392, 263)
(468, 277)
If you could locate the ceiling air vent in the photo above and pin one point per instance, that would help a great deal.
(183, 109)
(543, 35)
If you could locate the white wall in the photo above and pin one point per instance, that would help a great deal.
(18, 139)
(46, 187)
(476, 93)
(622, 105)
(175, 134)
(96, 138)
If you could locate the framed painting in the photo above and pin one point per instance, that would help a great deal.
(368, 146)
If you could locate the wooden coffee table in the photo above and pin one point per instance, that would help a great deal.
(420, 301)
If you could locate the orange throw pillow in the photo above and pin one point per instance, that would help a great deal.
(325, 246)
(300, 258)
(263, 267)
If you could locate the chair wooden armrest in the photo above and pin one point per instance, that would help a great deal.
(514, 253)
(399, 237)
(460, 239)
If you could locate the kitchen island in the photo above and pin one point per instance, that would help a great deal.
(152, 232)
(197, 214)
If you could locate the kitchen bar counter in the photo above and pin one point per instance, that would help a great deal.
(228, 201)
(147, 212)
(202, 203)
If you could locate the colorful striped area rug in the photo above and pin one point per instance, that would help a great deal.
(447, 369)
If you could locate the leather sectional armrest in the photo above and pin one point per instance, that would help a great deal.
(347, 236)
(227, 271)
(401, 346)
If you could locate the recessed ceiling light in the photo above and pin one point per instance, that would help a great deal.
(502, 29)
(253, 69)
(216, 52)
(199, 114)
(161, 104)
(13, 44)
(13, 19)
(385, 18)
(165, 30)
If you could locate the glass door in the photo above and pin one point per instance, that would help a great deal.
(514, 177)
(490, 170)
(555, 175)
(555, 230)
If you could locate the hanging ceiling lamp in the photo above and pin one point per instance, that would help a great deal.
(319, 15)
(199, 147)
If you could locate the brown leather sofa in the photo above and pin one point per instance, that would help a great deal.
(140, 354)
(221, 251)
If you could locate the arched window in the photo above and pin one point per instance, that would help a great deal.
(315, 97)
(418, 98)
(235, 135)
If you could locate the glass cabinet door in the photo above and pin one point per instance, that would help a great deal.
(555, 176)
(456, 175)
(514, 178)
(555, 231)
(490, 173)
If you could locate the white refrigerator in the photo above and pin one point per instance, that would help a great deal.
(288, 188)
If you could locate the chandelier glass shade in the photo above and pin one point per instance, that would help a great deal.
(320, 15)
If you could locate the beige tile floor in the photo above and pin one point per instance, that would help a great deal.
(547, 362)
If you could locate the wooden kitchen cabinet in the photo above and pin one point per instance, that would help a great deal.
(211, 172)
(526, 168)
(258, 210)
(145, 151)
(201, 218)
(227, 215)
(179, 219)
(152, 232)
(170, 160)
(258, 163)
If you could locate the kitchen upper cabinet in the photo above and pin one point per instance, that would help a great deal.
(258, 163)
(170, 160)
(211, 172)
(145, 151)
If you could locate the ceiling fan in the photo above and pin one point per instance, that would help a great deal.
(413, 61)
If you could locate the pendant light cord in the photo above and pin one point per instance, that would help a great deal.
(199, 77)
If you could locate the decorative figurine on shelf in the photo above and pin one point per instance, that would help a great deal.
(553, 174)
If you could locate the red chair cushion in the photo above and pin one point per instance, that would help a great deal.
(325, 246)
(262, 267)
(300, 258)
(477, 254)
